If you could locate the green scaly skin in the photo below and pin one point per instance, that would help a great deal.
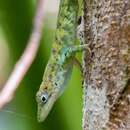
(60, 64)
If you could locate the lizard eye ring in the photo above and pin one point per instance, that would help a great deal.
(44, 98)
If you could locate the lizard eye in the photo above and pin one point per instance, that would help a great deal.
(44, 98)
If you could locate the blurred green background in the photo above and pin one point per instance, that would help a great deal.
(15, 27)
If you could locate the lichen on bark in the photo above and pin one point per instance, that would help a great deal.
(107, 68)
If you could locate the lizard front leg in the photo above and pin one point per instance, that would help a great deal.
(69, 52)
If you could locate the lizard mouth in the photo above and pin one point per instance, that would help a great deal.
(42, 114)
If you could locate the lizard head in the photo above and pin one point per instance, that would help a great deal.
(45, 100)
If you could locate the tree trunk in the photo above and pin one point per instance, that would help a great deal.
(107, 68)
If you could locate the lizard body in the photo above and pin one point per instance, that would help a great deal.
(60, 64)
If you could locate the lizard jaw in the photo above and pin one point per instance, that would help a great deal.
(44, 110)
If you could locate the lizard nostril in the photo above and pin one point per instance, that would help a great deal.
(56, 84)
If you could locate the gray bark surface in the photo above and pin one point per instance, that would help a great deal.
(106, 69)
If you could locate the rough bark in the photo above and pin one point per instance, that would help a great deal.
(107, 68)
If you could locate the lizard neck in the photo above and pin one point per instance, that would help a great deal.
(66, 25)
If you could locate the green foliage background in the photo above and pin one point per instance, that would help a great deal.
(15, 23)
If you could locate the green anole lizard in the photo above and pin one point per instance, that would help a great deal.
(60, 64)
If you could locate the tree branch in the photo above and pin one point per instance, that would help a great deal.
(26, 59)
(107, 69)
